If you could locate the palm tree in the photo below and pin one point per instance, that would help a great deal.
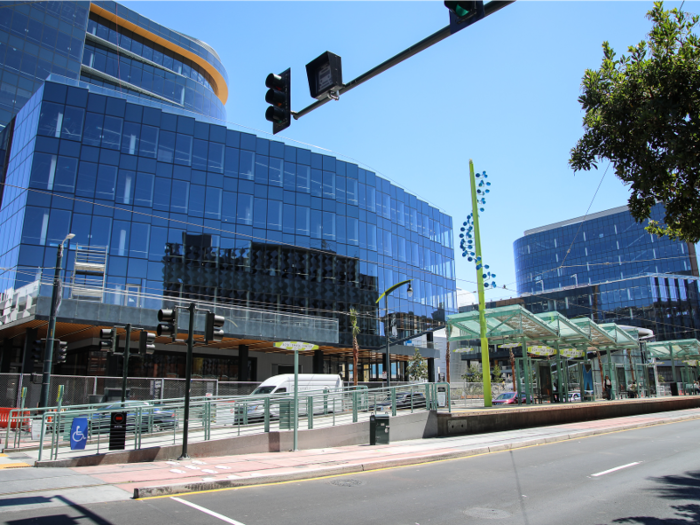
(355, 346)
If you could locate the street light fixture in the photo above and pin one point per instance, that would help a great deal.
(386, 293)
(55, 298)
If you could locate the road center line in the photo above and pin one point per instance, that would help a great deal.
(207, 511)
(615, 469)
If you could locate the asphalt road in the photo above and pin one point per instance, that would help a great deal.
(649, 476)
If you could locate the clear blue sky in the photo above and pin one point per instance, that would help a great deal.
(502, 92)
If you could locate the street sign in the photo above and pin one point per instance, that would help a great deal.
(296, 345)
(79, 433)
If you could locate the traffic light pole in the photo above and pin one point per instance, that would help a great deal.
(48, 352)
(424, 44)
(127, 347)
(188, 381)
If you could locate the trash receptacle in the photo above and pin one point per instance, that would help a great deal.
(379, 429)
(674, 389)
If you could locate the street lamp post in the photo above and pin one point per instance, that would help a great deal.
(48, 353)
(386, 293)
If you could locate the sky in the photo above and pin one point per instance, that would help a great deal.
(503, 92)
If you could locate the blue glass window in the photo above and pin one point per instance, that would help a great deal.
(120, 238)
(125, 187)
(261, 169)
(140, 235)
(144, 189)
(199, 155)
(93, 129)
(329, 185)
(59, 227)
(111, 132)
(216, 157)
(106, 182)
(101, 228)
(161, 199)
(213, 203)
(159, 236)
(316, 224)
(245, 209)
(274, 215)
(371, 199)
(87, 178)
(247, 168)
(400, 213)
(183, 149)
(179, 200)
(329, 226)
(275, 172)
(149, 141)
(130, 138)
(166, 146)
(302, 221)
(340, 188)
(196, 200)
(316, 183)
(303, 177)
(289, 215)
(229, 207)
(260, 213)
(231, 162)
(341, 233)
(36, 224)
(372, 237)
(352, 233)
(351, 191)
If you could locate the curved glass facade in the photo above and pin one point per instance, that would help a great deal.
(188, 209)
(106, 44)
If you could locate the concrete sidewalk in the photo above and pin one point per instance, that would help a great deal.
(176, 477)
(21, 489)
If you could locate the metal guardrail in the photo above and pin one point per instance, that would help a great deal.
(150, 424)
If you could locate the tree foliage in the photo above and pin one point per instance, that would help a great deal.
(417, 367)
(473, 375)
(497, 374)
(642, 113)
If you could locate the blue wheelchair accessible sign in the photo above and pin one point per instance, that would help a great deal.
(79, 433)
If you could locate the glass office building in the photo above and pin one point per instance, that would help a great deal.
(607, 267)
(168, 205)
(106, 44)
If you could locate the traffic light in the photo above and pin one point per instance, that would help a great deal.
(213, 330)
(146, 342)
(37, 351)
(168, 320)
(280, 96)
(109, 340)
(61, 351)
(462, 8)
(463, 14)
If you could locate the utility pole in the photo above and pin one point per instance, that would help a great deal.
(127, 348)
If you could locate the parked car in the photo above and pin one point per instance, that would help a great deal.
(152, 417)
(403, 401)
(508, 398)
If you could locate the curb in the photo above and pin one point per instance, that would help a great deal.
(199, 486)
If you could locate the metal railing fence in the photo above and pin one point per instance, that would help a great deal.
(159, 423)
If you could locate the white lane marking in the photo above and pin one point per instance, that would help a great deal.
(177, 471)
(615, 469)
(207, 511)
(223, 467)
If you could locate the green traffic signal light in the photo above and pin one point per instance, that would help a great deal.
(461, 9)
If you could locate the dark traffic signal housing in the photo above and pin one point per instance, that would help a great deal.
(464, 14)
(109, 340)
(37, 351)
(61, 350)
(214, 328)
(280, 97)
(325, 75)
(146, 342)
(168, 323)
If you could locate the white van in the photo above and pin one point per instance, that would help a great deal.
(308, 384)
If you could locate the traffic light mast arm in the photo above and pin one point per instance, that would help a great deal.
(442, 34)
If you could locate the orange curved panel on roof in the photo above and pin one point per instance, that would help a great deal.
(219, 84)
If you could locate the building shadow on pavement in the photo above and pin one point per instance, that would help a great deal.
(83, 516)
(674, 488)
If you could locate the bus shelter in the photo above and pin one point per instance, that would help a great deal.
(685, 350)
(553, 346)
